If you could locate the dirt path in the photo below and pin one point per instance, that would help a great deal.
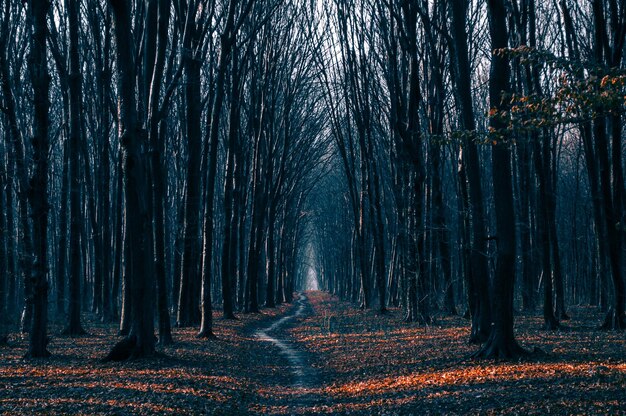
(303, 373)
(295, 390)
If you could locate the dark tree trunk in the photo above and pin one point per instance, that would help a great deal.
(140, 341)
(18, 153)
(188, 306)
(479, 271)
(158, 14)
(559, 284)
(255, 194)
(11, 243)
(119, 275)
(61, 271)
(543, 230)
(103, 79)
(442, 234)
(227, 40)
(591, 159)
(270, 293)
(4, 276)
(501, 342)
(229, 252)
(409, 133)
(526, 228)
(378, 227)
(38, 193)
(610, 55)
(436, 111)
(256, 235)
(165, 329)
(74, 326)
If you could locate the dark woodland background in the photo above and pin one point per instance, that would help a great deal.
(160, 159)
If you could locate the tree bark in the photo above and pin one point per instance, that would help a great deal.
(501, 343)
(229, 253)
(38, 193)
(74, 326)
(479, 273)
(158, 14)
(21, 170)
(140, 341)
(188, 306)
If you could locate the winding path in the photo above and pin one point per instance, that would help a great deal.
(304, 375)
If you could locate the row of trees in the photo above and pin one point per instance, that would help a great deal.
(414, 153)
(179, 141)
(474, 143)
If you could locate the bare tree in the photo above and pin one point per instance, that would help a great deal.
(501, 342)
(38, 11)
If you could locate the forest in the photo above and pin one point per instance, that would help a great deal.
(312, 207)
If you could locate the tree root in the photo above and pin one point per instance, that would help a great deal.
(614, 321)
(500, 350)
(123, 350)
(231, 316)
(551, 324)
(166, 339)
(562, 316)
(74, 332)
(478, 336)
(45, 354)
(207, 334)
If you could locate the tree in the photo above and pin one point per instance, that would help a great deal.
(40, 79)
(158, 15)
(190, 277)
(608, 49)
(501, 342)
(478, 274)
(140, 340)
(74, 326)
(17, 153)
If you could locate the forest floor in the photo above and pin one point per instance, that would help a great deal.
(323, 356)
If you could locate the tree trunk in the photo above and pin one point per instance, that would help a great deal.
(4, 276)
(616, 318)
(158, 14)
(229, 252)
(12, 274)
(501, 343)
(543, 226)
(227, 40)
(18, 153)
(74, 326)
(140, 341)
(61, 270)
(103, 79)
(188, 306)
(38, 193)
(479, 273)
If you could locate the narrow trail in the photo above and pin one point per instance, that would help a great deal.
(304, 376)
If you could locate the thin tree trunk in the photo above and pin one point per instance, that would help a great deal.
(479, 273)
(74, 326)
(61, 271)
(229, 253)
(158, 13)
(190, 271)
(17, 144)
